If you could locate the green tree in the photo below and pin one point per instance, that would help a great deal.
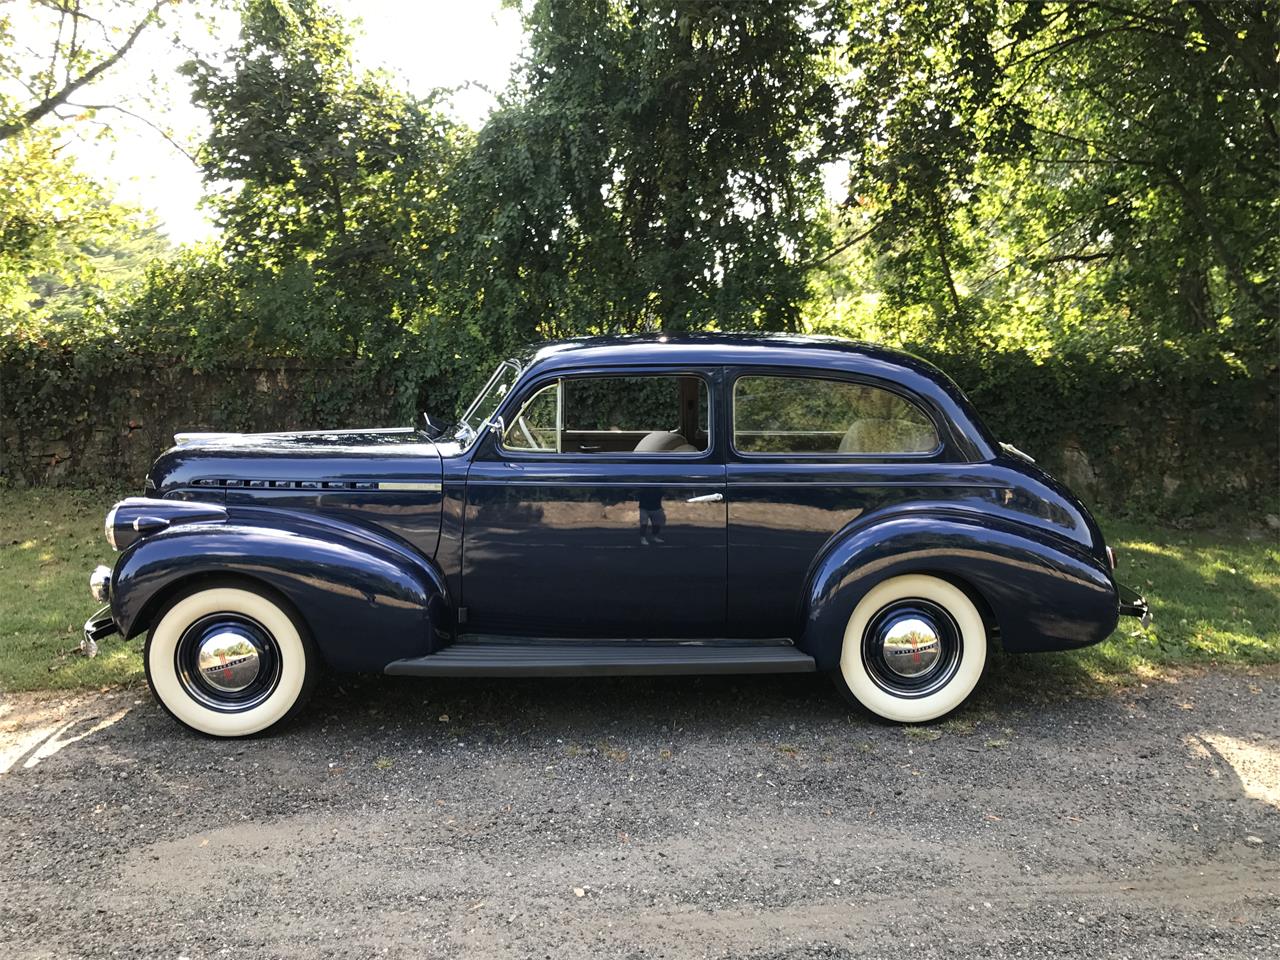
(1102, 169)
(656, 165)
(65, 243)
(337, 200)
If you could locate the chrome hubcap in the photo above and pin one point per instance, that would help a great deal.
(912, 648)
(910, 645)
(228, 661)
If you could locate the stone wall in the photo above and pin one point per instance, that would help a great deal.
(1166, 448)
(121, 426)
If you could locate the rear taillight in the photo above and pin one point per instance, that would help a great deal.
(1111, 558)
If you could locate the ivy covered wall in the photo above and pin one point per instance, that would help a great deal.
(1144, 432)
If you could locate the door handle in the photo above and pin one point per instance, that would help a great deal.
(706, 498)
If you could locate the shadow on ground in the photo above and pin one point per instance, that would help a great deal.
(1011, 684)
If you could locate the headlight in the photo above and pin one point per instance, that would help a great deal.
(100, 584)
(109, 528)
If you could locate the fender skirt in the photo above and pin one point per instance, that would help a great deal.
(1044, 593)
(367, 599)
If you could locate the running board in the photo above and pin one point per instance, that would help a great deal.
(602, 658)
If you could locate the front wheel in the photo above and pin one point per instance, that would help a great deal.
(229, 661)
(914, 649)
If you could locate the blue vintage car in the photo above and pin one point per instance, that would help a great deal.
(620, 505)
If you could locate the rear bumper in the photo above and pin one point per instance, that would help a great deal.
(1133, 604)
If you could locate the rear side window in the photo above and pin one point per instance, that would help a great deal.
(783, 414)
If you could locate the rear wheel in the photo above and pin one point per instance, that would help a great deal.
(230, 661)
(914, 649)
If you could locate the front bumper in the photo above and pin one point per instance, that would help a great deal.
(100, 624)
(1133, 604)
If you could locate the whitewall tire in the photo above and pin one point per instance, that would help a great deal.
(914, 649)
(229, 660)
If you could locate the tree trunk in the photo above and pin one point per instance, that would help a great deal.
(1194, 204)
(944, 260)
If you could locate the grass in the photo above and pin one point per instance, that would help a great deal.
(1214, 595)
(1215, 598)
(50, 540)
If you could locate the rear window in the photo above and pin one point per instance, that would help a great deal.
(785, 414)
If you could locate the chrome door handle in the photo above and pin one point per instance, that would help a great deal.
(706, 498)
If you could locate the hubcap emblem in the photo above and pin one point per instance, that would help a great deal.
(227, 661)
(911, 646)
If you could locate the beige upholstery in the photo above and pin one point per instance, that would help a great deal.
(664, 441)
(887, 436)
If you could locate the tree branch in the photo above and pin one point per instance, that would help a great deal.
(841, 248)
(1077, 257)
(137, 116)
(52, 102)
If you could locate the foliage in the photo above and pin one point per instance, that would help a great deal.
(1104, 170)
(337, 214)
(655, 167)
(68, 45)
(1157, 431)
(66, 247)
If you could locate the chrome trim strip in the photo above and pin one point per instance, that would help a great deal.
(596, 482)
(404, 485)
(897, 482)
(196, 435)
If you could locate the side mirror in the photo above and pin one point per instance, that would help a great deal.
(433, 428)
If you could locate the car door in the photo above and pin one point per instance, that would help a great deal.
(597, 510)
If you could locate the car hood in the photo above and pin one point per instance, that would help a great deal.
(331, 458)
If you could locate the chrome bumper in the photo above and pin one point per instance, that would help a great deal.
(95, 628)
(1133, 604)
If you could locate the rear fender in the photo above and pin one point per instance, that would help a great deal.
(1043, 592)
(367, 599)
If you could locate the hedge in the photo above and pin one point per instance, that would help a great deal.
(1151, 431)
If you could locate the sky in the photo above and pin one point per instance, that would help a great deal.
(427, 43)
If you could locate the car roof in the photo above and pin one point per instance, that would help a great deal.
(713, 349)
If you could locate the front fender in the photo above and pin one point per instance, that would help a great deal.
(1044, 592)
(367, 599)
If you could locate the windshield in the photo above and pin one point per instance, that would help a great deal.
(486, 403)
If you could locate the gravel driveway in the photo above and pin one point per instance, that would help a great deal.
(634, 818)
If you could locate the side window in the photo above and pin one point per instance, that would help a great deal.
(537, 425)
(783, 414)
(653, 414)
